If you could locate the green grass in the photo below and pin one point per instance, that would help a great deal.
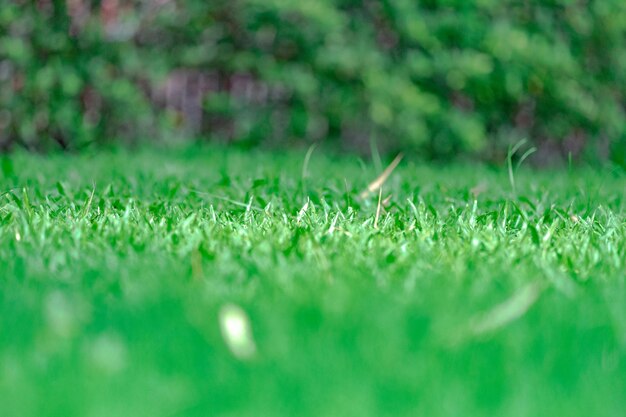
(465, 298)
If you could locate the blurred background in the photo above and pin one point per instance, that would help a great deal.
(441, 78)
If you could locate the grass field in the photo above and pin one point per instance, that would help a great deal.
(209, 282)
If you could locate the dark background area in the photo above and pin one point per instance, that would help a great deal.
(444, 79)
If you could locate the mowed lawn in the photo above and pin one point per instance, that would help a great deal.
(207, 282)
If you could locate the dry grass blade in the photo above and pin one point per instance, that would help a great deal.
(478, 189)
(87, 206)
(378, 182)
(380, 195)
(307, 158)
(237, 331)
(508, 311)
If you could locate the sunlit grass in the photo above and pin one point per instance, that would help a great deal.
(208, 282)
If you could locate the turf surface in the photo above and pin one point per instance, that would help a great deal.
(212, 282)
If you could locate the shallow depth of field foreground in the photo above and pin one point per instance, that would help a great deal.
(213, 282)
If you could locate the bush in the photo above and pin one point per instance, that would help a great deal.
(440, 77)
(70, 84)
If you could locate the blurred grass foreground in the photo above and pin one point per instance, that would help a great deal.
(450, 77)
(230, 283)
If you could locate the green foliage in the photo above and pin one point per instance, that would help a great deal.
(65, 88)
(440, 77)
(456, 302)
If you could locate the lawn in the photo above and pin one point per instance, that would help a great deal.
(211, 282)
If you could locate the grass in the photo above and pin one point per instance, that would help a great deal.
(213, 282)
